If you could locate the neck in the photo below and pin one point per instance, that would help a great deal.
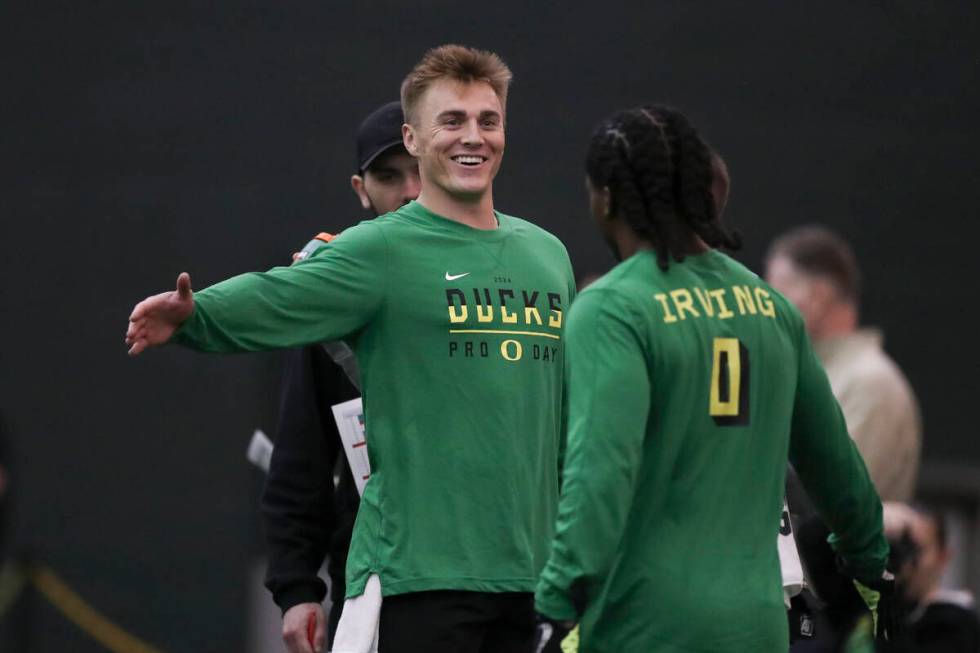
(477, 213)
(841, 320)
(627, 243)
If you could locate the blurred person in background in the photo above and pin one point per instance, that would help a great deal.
(939, 620)
(817, 271)
(306, 517)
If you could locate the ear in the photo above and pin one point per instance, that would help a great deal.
(357, 183)
(409, 140)
(721, 182)
(606, 203)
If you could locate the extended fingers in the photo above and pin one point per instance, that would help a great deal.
(136, 337)
(138, 345)
(134, 327)
(139, 311)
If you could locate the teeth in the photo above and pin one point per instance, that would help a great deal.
(468, 159)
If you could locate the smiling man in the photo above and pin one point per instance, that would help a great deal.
(456, 313)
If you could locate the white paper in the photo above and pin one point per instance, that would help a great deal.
(350, 422)
(789, 560)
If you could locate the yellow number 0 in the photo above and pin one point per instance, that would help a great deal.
(727, 360)
(728, 406)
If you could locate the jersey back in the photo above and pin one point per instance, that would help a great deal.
(699, 548)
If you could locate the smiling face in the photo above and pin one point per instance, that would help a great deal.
(458, 137)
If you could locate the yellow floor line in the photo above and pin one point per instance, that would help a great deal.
(86, 617)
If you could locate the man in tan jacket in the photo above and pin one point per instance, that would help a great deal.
(817, 271)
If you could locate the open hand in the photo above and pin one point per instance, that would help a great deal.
(155, 319)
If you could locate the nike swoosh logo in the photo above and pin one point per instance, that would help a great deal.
(453, 277)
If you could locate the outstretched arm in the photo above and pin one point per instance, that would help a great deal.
(155, 319)
(329, 296)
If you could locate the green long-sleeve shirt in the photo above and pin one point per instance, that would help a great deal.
(688, 390)
(459, 337)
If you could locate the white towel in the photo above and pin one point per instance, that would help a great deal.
(789, 559)
(357, 631)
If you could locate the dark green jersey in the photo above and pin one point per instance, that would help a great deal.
(688, 389)
(459, 337)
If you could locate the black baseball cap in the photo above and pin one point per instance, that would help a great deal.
(380, 131)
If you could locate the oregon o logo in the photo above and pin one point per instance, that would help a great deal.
(505, 350)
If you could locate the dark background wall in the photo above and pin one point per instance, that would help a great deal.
(141, 139)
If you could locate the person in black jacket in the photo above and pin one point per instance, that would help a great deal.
(307, 516)
(940, 620)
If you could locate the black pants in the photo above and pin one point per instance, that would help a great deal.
(447, 621)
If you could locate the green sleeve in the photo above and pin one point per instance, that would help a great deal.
(609, 400)
(833, 472)
(326, 297)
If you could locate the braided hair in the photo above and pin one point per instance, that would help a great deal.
(658, 171)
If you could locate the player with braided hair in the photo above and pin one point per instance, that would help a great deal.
(660, 173)
(690, 383)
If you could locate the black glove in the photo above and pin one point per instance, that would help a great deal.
(550, 633)
(885, 605)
